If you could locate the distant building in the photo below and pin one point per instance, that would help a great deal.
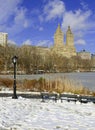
(43, 50)
(3, 39)
(59, 47)
(84, 54)
(93, 60)
(68, 49)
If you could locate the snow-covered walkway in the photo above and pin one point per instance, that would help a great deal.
(32, 114)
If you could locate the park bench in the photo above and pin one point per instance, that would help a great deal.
(75, 98)
(49, 96)
(91, 99)
(86, 99)
(68, 97)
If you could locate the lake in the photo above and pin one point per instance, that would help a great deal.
(87, 79)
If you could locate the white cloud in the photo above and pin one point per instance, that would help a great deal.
(27, 42)
(80, 41)
(53, 9)
(80, 23)
(11, 42)
(78, 20)
(20, 15)
(41, 29)
(45, 43)
(41, 18)
(84, 5)
(13, 17)
(20, 18)
(7, 9)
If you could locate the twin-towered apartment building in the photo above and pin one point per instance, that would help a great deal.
(64, 49)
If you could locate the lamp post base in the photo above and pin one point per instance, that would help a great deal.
(14, 97)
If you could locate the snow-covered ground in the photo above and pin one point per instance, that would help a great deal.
(32, 114)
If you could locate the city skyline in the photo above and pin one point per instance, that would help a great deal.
(34, 22)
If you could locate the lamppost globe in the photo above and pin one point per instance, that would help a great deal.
(14, 61)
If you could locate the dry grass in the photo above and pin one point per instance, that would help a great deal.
(6, 82)
(59, 85)
(93, 93)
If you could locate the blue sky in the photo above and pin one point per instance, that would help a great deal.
(33, 22)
